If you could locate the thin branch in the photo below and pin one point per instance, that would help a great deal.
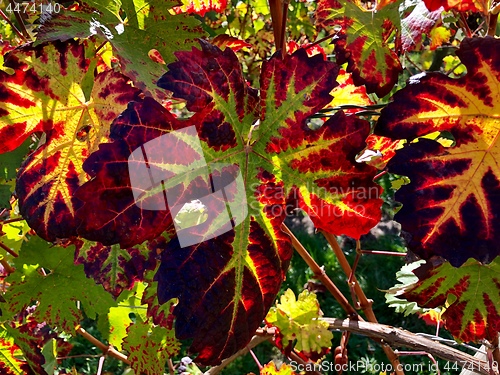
(16, 30)
(256, 340)
(171, 369)
(12, 220)
(20, 21)
(321, 40)
(7, 249)
(256, 360)
(382, 252)
(402, 338)
(6, 266)
(365, 303)
(320, 274)
(108, 350)
(101, 364)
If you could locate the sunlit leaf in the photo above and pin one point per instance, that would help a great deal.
(471, 295)
(297, 319)
(451, 207)
(57, 287)
(347, 93)
(271, 369)
(461, 6)
(10, 354)
(149, 347)
(240, 270)
(223, 40)
(201, 7)
(44, 95)
(363, 41)
(379, 150)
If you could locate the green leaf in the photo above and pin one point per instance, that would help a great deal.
(49, 352)
(406, 277)
(113, 326)
(57, 289)
(150, 347)
(470, 294)
(11, 161)
(297, 319)
(144, 41)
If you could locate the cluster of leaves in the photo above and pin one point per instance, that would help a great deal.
(100, 81)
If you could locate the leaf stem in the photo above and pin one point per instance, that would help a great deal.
(107, 350)
(320, 274)
(16, 30)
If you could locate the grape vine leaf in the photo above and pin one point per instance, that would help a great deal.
(379, 150)
(393, 296)
(201, 7)
(57, 291)
(223, 41)
(348, 94)
(239, 272)
(148, 30)
(451, 205)
(270, 369)
(113, 326)
(10, 354)
(480, 6)
(150, 347)
(419, 22)
(30, 337)
(363, 41)
(44, 95)
(114, 268)
(473, 313)
(297, 319)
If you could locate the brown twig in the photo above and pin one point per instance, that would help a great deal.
(12, 220)
(8, 249)
(321, 40)
(365, 303)
(6, 266)
(107, 350)
(320, 274)
(256, 340)
(26, 35)
(14, 28)
(171, 369)
(402, 338)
